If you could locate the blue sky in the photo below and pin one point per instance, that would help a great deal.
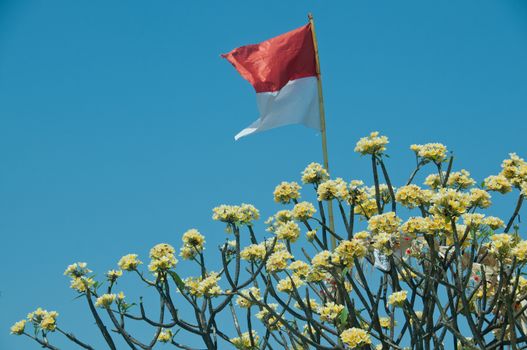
(117, 119)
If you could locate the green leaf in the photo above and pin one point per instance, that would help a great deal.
(344, 316)
(179, 282)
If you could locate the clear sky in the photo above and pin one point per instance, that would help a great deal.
(117, 119)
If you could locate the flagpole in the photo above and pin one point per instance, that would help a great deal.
(322, 123)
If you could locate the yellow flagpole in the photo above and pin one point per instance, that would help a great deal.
(322, 122)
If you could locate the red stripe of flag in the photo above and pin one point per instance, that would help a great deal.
(269, 65)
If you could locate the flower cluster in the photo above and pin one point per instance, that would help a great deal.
(355, 337)
(286, 192)
(79, 280)
(330, 311)
(246, 341)
(162, 258)
(413, 196)
(460, 179)
(397, 298)
(253, 252)
(314, 173)
(43, 319)
(303, 211)
(207, 286)
(333, 189)
(278, 261)
(372, 144)
(448, 202)
(165, 336)
(289, 231)
(193, 243)
(243, 214)
(129, 262)
(248, 296)
(435, 152)
(105, 300)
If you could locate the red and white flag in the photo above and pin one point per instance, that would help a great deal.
(283, 72)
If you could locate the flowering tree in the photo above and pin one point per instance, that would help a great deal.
(445, 276)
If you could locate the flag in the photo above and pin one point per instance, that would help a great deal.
(283, 72)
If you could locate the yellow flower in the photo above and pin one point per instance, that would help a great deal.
(523, 188)
(271, 322)
(434, 181)
(129, 262)
(388, 222)
(268, 244)
(77, 270)
(479, 198)
(520, 251)
(81, 284)
(163, 258)
(299, 268)
(372, 144)
(231, 214)
(278, 261)
(416, 225)
(193, 243)
(397, 298)
(313, 305)
(382, 241)
(385, 322)
(286, 284)
(247, 213)
(501, 244)
(367, 208)
(330, 311)
(460, 179)
(286, 192)
(193, 238)
(316, 275)
(225, 213)
(493, 222)
(363, 235)
(322, 259)
(253, 252)
(48, 323)
(435, 152)
(418, 314)
(245, 300)
(355, 337)
(314, 173)
(18, 328)
(281, 217)
(44, 319)
(165, 336)
(303, 211)
(113, 275)
(105, 300)
(244, 342)
(161, 250)
(498, 183)
(474, 220)
(514, 169)
(333, 189)
(288, 231)
(207, 286)
(412, 196)
(347, 251)
(449, 202)
(310, 235)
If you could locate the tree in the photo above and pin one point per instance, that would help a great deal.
(441, 278)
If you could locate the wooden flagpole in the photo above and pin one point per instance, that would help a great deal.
(322, 123)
